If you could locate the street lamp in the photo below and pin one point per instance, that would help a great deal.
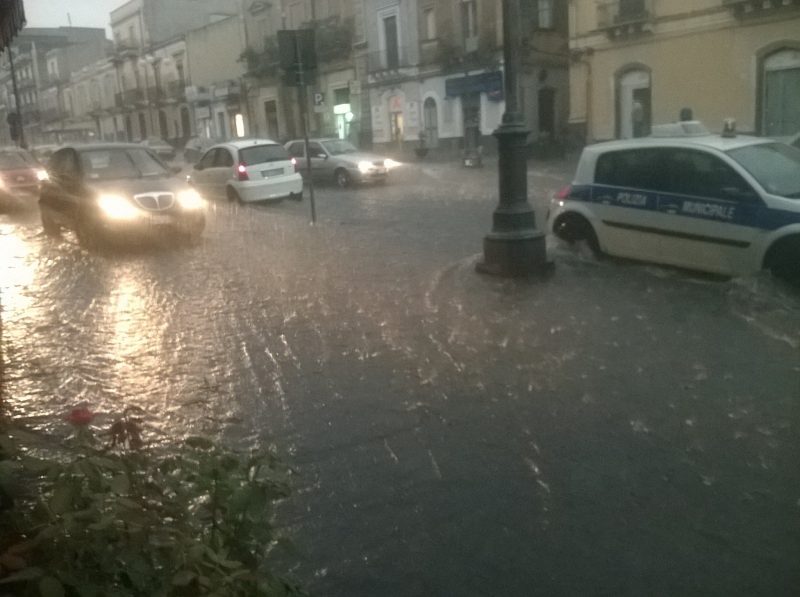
(514, 247)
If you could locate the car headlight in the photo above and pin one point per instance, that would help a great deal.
(365, 166)
(115, 207)
(390, 163)
(190, 199)
(42, 175)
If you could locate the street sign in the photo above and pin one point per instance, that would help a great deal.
(319, 98)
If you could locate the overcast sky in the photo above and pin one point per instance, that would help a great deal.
(84, 13)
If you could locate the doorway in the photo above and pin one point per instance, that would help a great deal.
(271, 115)
(430, 116)
(781, 113)
(634, 104)
(471, 112)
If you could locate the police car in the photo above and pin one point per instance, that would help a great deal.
(725, 204)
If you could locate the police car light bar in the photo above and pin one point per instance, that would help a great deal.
(688, 128)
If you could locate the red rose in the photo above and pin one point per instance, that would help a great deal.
(80, 416)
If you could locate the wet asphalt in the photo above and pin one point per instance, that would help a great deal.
(618, 429)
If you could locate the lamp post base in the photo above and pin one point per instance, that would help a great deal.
(515, 255)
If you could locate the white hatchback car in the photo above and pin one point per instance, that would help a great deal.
(683, 197)
(251, 170)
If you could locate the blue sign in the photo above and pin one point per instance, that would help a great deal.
(489, 83)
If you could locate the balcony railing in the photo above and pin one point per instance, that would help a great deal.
(131, 96)
(389, 60)
(623, 12)
(746, 8)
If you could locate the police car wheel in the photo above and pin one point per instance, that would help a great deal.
(573, 227)
(783, 259)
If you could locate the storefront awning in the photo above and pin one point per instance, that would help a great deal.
(12, 19)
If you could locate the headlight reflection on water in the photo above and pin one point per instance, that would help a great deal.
(17, 271)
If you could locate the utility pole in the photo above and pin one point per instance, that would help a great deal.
(18, 113)
(514, 247)
(301, 90)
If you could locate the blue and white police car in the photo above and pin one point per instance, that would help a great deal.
(727, 204)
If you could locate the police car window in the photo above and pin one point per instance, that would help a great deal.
(775, 166)
(635, 169)
(702, 174)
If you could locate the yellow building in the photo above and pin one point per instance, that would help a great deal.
(639, 62)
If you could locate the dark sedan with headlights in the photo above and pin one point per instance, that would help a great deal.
(117, 192)
(20, 177)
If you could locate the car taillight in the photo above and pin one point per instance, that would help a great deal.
(241, 172)
(294, 163)
(564, 193)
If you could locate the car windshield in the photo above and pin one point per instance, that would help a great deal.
(15, 159)
(337, 147)
(261, 154)
(115, 163)
(775, 166)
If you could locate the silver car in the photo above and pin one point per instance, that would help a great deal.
(339, 161)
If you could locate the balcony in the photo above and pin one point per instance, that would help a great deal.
(383, 64)
(175, 90)
(51, 115)
(754, 8)
(625, 18)
(126, 49)
(129, 97)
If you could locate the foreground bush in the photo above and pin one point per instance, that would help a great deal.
(103, 515)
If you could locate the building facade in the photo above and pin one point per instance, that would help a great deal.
(43, 61)
(435, 72)
(639, 62)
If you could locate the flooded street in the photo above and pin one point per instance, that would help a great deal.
(452, 434)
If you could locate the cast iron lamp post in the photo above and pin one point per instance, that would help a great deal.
(514, 247)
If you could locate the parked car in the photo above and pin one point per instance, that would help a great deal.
(117, 192)
(196, 147)
(42, 153)
(251, 170)
(161, 148)
(340, 162)
(20, 178)
(724, 204)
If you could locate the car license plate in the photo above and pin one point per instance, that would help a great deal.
(273, 172)
(160, 220)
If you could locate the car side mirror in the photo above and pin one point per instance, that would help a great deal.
(322, 156)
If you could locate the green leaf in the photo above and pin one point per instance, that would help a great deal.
(183, 578)
(31, 573)
(51, 587)
(120, 484)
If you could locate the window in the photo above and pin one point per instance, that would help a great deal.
(429, 16)
(223, 159)
(262, 154)
(775, 166)
(634, 169)
(315, 150)
(391, 49)
(207, 161)
(297, 149)
(631, 8)
(544, 14)
(701, 174)
(469, 22)
(359, 34)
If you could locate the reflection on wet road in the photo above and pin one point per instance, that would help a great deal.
(620, 429)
